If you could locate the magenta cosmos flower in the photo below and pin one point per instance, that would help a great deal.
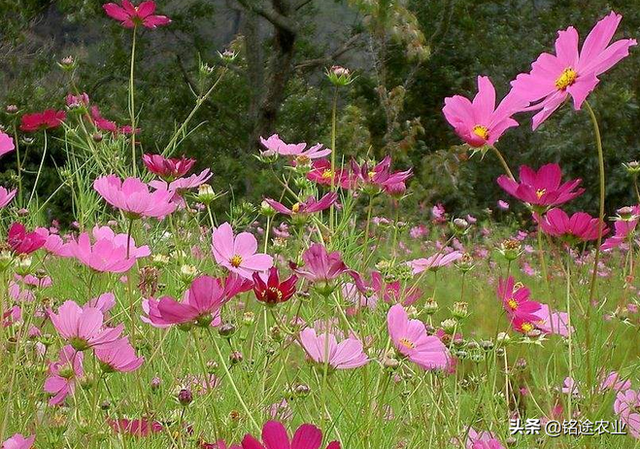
(324, 348)
(541, 188)
(306, 207)
(6, 144)
(479, 122)
(624, 226)
(201, 306)
(83, 328)
(275, 436)
(134, 198)
(109, 253)
(238, 253)
(23, 242)
(516, 301)
(554, 77)
(482, 440)
(321, 268)
(167, 168)
(39, 121)
(6, 196)
(269, 290)
(626, 406)
(130, 16)
(580, 226)
(118, 356)
(63, 374)
(379, 176)
(411, 340)
(18, 441)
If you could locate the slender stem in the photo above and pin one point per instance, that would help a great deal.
(635, 186)
(569, 339)
(266, 235)
(44, 155)
(543, 263)
(333, 153)
(503, 162)
(17, 144)
(594, 273)
(130, 228)
(132, 108)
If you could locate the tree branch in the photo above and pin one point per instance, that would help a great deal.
(268, 12)
(344, 48)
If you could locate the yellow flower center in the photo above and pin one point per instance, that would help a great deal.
(540, 192)
(527, 327)
(303, 160)
(407, 343)
(372, 175)
(481, 131)
(295, 208)
(566, 78)
(327, 174)
(236, 261)
(276, 291)
(512, 303)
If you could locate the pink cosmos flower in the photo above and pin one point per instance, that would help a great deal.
(553, 322)
(39, 121)
(130, 16)
(392, 292)
(83, 327)
(626, 407)
(541, 188)
(167, 168)
(503, 205)
(238, 253)
(276, 146)
(554, 77)
(275, 436)
(321, 173)
(624, 225)
(307, 207)
(321, 267)
(516, 301)
(347, 354)
(181, 184)
(379, 176)
(201, 305)
(23, 242)
(104, 303)
(75, 101)
(109, 251)
(6, 144)
(133, 197)
(479, 122)
(6, 196)
(118, 356)
(54, 243)
(18, 441)
(482, 440)
(434, 262)
(580, 226)
(63, 374)
(104, 124)
(614, 382)
(411, 340)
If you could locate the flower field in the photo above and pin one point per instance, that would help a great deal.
(325, 316)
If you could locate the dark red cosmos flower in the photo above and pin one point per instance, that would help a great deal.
(167, 168)
(38, 121)
(130, 16)
(23, 242)
(273, 291)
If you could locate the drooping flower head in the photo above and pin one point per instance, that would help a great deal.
(272, 291)
(83, 328)
(580, 227)
(479, 122)
(39, 121)
(553, 78)
(435, 262)
(323, 347)
(274, 436)
(130, 16)
(118, 356)
(541, 188)
(411, 340)
(134, 197)
(168, 168)
(238, 253)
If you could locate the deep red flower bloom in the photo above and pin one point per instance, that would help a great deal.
(541, 188)
(23, 242)
(130, 16)
(273, 291)
(38, 121)
(580, 226)
(167, 168)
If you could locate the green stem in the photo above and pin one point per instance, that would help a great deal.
(44, 155)
(569, 338)
(333, 153)
(503, 162)
(132, 109)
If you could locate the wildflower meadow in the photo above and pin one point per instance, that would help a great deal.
(165, 313)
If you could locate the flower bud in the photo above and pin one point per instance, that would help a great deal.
(206, 195)
(339, 76)
(266, 209)
(235, 357)
(227, 330)
(460, 310)
(430, 306)
(185, 397)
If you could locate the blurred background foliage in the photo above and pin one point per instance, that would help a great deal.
(408, 56)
